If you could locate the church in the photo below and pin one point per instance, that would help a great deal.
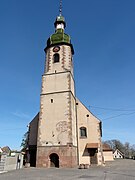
(64, 133)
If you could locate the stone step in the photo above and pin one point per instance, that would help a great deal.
(3, 160)
(1, 168)
(1, 163)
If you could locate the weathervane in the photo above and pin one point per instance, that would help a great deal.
(60, 10)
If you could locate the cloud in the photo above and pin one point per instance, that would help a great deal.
(21, 115)
(121, 134)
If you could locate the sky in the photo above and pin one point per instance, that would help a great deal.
(103, 36)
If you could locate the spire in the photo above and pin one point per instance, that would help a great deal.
(60, 20)
(60, 10)
(59, 37)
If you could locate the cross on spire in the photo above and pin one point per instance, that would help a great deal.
(60, 10)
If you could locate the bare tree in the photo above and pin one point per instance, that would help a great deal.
(127, 149)
(115, 144)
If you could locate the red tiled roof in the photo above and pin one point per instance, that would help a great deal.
(91, 145)
(106, 147)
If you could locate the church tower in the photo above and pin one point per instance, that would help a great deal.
(57, 129)
(64, 133)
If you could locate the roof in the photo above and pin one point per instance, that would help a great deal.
(35, 118)
(6, 149)
(91, 145)
(59, 36)
(106, 147)
(117, 150)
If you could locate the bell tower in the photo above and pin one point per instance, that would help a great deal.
(57, 131)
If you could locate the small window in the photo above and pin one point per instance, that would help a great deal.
(83, 132)
(71, 58)
(51, 100)
(56, 57)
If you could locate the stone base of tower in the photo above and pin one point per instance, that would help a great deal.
(61, 156)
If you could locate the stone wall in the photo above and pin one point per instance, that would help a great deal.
(9, 163)
(67, 156)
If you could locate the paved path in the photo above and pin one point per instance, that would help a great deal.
(116, 170)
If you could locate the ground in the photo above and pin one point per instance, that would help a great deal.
(123, 169)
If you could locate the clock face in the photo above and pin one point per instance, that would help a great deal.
(56, 49)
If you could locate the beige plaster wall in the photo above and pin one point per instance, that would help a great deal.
(65, 60)
(57, 82)
(108, 156)
(93, 133)
(57, 122)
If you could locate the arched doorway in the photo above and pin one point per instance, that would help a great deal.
(54, 160)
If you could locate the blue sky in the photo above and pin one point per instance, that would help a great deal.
(103, 35)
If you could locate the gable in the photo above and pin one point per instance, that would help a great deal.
(87, 120)
(83, 110)
(6, 150)
(118, 152)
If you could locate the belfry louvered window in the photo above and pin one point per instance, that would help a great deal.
(56, 58)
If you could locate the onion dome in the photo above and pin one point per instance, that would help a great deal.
(59, 37)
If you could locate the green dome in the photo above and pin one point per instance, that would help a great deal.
(59, 37)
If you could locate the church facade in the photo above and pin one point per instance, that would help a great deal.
(64, 133)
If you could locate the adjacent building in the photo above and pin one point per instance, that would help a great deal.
(118, 154)
(107, 152)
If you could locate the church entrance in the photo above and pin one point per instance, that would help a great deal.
(54, 160)
(33, 157)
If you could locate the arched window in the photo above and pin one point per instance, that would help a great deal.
(83, 132)
(56, 57)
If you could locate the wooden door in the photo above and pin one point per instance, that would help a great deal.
(93, 156)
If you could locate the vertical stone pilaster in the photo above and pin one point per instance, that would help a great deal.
(63, 57)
